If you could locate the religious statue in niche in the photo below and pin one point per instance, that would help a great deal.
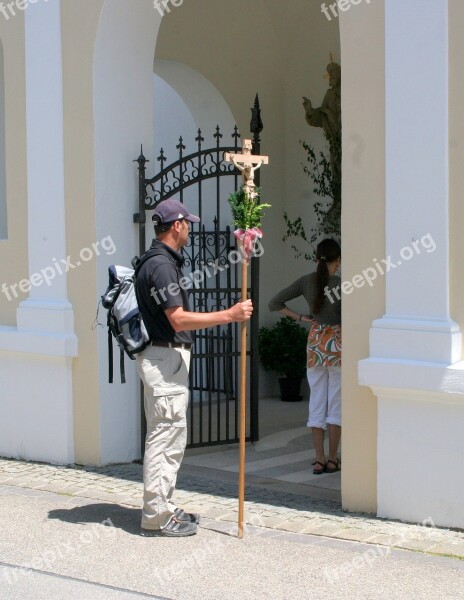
(329, 117)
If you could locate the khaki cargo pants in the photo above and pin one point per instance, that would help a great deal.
(164, 374)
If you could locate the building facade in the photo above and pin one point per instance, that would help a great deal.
(85, 83)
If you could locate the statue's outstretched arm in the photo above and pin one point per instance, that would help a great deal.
(314, 118)
(239, 167)
(307, 105)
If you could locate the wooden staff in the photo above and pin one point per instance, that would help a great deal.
(243, 373)
(247, 164)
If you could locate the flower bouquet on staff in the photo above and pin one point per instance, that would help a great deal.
(247, 213)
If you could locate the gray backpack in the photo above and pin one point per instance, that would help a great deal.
(124, 320)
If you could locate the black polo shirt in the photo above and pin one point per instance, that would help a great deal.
(158, 288)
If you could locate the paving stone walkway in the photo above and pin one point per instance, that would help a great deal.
(277, 510)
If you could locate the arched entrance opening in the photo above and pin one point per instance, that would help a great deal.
(124, 70)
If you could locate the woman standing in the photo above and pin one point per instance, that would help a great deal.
(321, 290)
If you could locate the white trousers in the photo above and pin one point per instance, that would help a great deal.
(325, 403)
(164, 374)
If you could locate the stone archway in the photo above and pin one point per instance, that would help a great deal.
(123, 117)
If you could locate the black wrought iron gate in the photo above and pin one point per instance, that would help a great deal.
(212, 260)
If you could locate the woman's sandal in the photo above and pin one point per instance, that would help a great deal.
(337, 467)
(319, 471)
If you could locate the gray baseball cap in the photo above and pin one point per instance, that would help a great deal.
(171, 210)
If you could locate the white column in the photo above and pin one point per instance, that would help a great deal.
(415, 366)
(417, 173)
(417, 325)
(36, 357)
(47, 308)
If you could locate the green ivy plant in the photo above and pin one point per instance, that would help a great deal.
(246, 212)
(282, 348)
(327, 210)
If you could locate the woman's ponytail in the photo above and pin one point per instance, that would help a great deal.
(327, 251)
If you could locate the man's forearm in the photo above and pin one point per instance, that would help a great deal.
(188, 321)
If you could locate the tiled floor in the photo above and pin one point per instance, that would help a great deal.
(284, 452)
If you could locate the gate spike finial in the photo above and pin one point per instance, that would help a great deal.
(236, 136)
(141, 159)
(218, 134)
(161, 159)
(199, 138)
(256, 124)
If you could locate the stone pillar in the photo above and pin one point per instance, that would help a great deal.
(47, 308)
(415, 348)
(36, 413)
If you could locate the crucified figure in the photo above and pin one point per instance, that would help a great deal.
(247, 164)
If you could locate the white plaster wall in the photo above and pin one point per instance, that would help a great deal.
(186, 101)
(3, 203)
(123, 113)
(36, 407)
(419, 442)
(172, 118)
(205, 103)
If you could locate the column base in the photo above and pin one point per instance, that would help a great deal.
(417, 447)
(54, 316)
(420, 416)
(36, 412)
(437, 341)
(45, 328)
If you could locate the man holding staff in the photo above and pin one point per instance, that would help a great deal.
(164, 366)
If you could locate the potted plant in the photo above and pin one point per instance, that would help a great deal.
(282, 348)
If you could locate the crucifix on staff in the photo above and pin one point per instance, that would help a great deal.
(247, 212)
(247, 164)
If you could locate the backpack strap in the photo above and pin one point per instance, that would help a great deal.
(137, 264)
(121, 366)
(110, 356)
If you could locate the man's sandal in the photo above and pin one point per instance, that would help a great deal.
(337, 466)
(321, 470)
